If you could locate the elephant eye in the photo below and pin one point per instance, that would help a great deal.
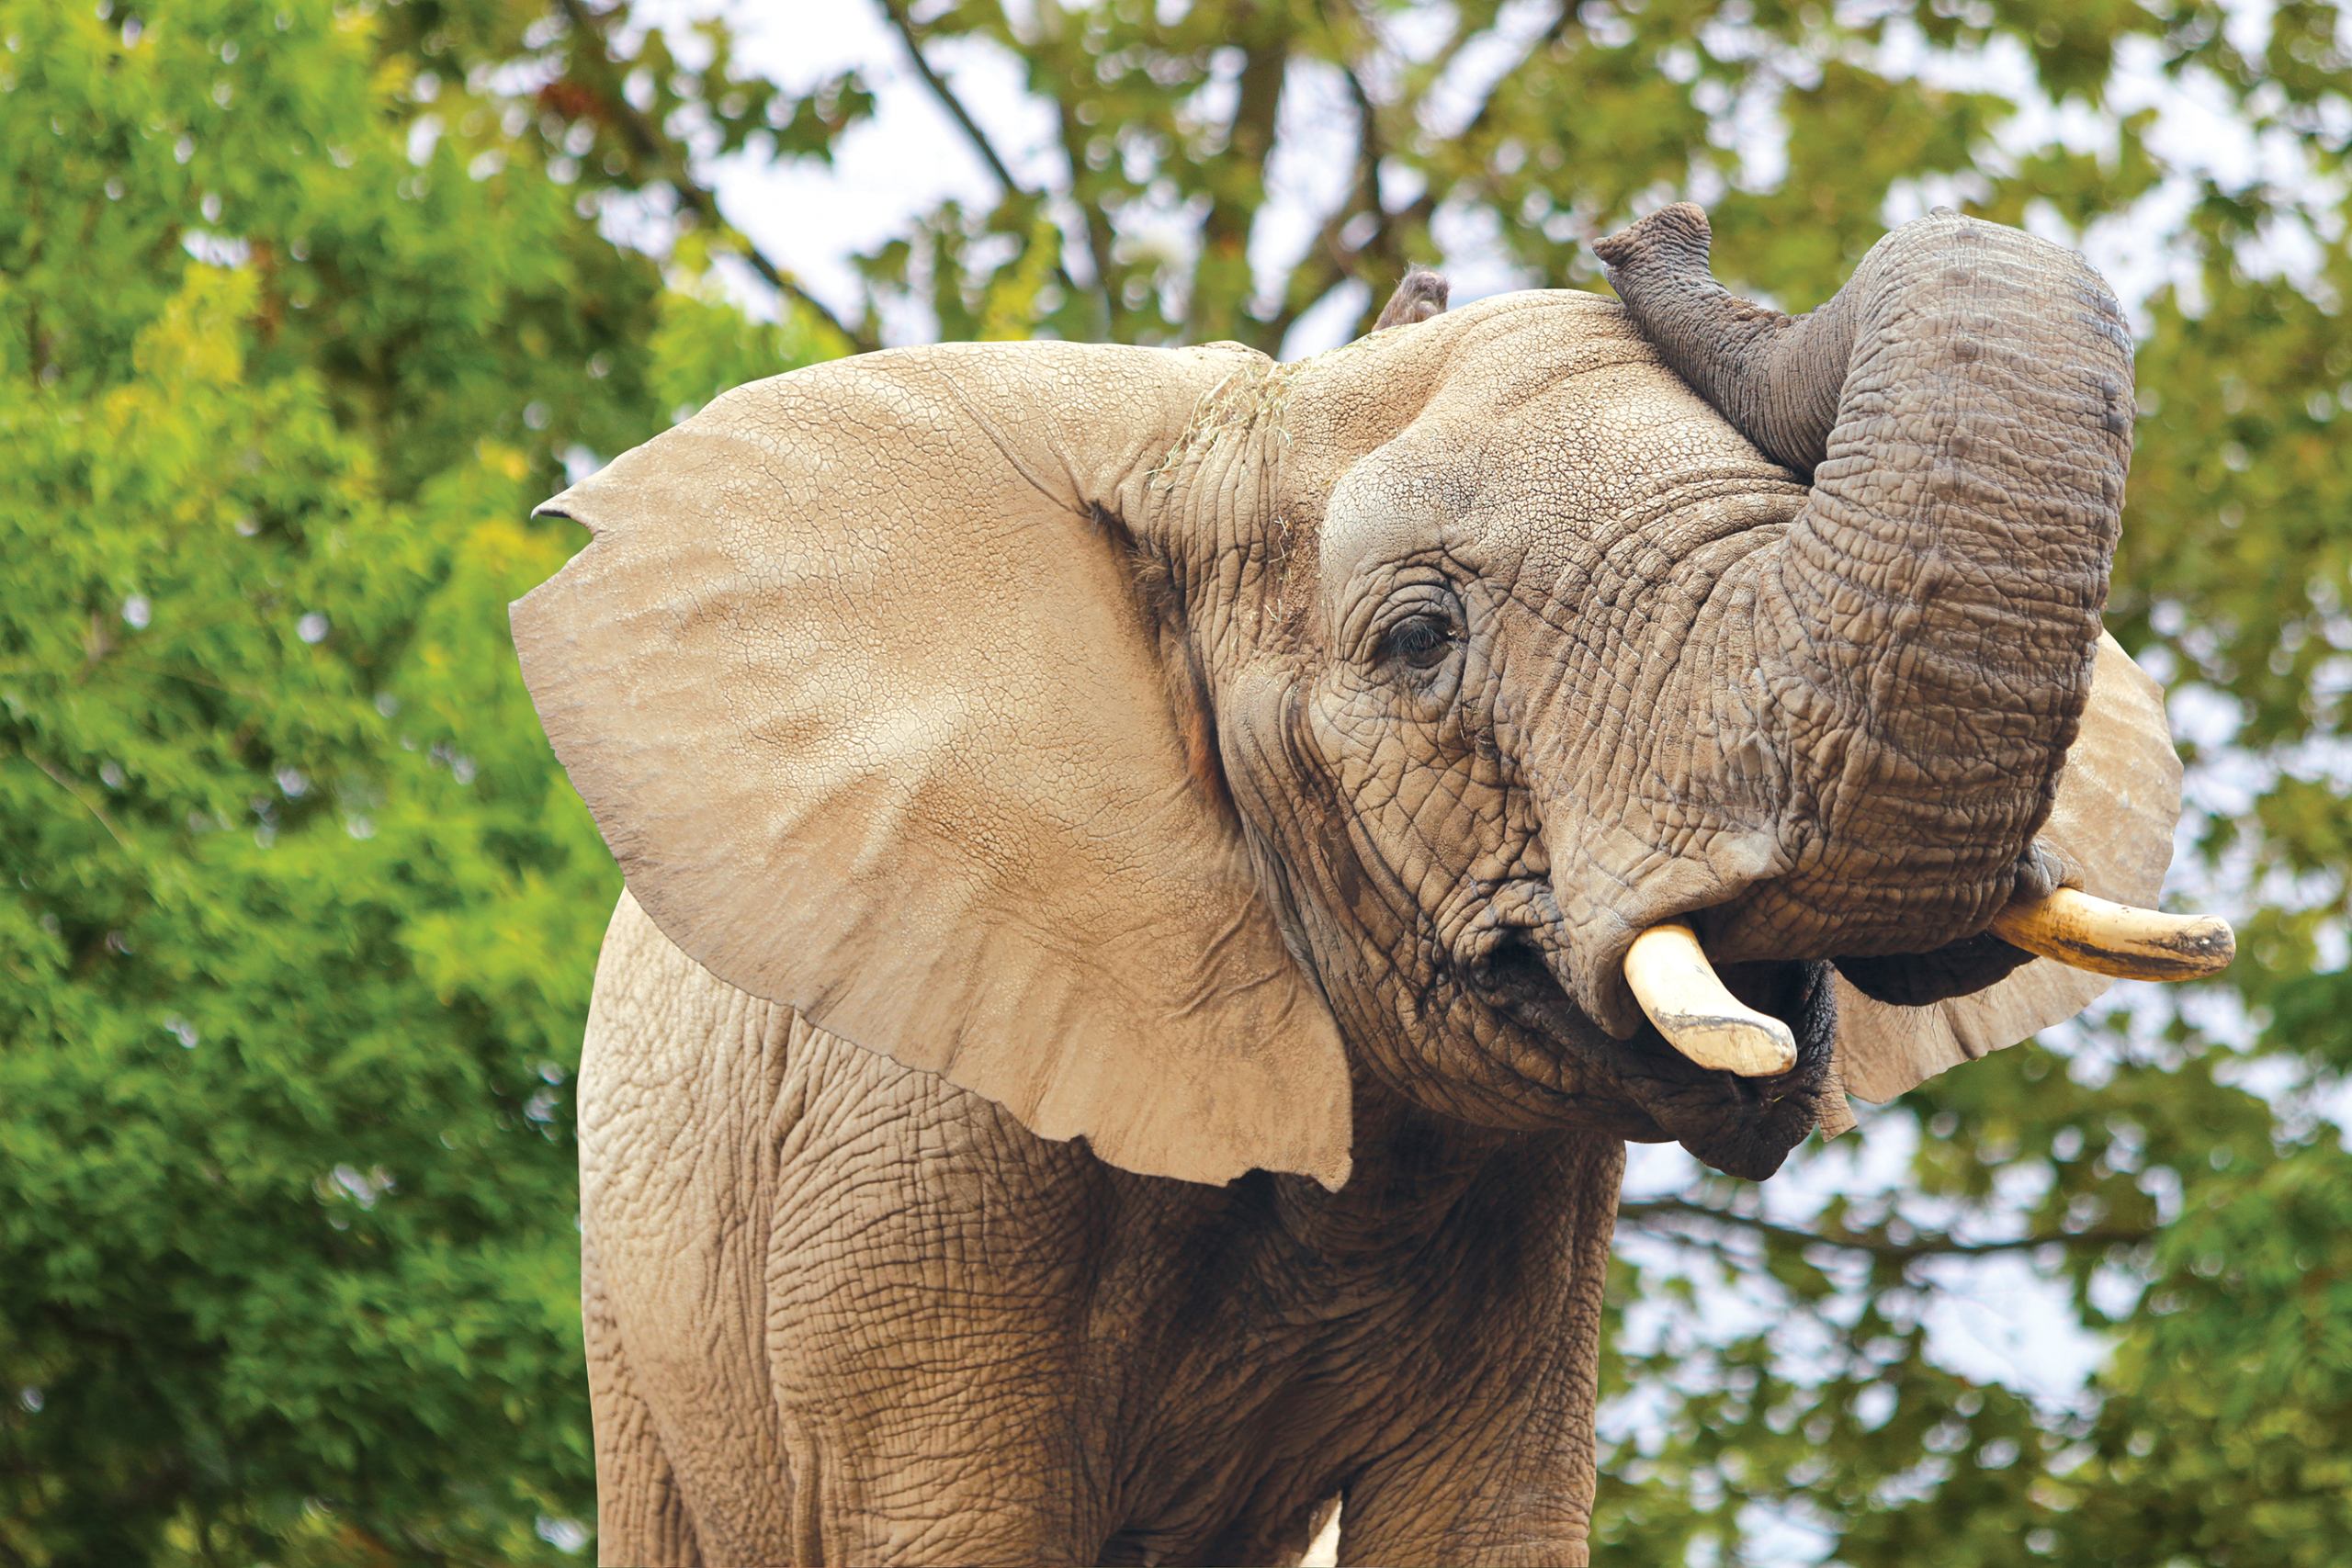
(1421, 641)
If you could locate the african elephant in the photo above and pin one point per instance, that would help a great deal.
(1160, 882)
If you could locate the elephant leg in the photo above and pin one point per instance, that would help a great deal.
(927, 1263)
(675, 1077)
(845, 1353)
(1527, 1511)
(1503, 1477)
(641, 1518)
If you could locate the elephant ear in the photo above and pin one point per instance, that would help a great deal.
(2118, 796)
(855, 678)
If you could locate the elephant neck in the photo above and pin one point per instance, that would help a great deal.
(1425, 1184)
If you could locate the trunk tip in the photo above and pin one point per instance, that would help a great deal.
(1673, 239)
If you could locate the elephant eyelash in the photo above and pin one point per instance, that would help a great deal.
(1422, 641)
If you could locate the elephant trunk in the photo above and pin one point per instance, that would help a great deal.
(1924, 631)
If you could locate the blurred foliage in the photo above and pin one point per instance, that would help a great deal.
(301, 306)
(297, 914)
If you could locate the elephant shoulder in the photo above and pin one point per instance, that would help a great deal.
(674, 1055)
(648, 993)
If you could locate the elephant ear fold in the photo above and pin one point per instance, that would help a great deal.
(855, 680)
(2118, 796)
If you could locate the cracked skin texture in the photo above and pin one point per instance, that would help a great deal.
(842, 1313)
(1114, 1037)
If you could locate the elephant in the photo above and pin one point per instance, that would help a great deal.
(1160, 882)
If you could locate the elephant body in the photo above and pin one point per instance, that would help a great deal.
(1124, 1028)
(841, 1311)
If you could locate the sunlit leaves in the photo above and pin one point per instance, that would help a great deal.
(297, 915)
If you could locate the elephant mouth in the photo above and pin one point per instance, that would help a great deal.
(1740, 1125)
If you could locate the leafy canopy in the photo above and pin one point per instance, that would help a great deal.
(302, 307)
(297, 915)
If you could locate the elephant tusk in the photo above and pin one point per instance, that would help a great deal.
(1678, 989)
(2117, 940)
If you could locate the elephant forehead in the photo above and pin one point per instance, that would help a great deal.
(1531, 472)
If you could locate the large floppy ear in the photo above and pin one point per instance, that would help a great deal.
(2118, 796)
(857, 680)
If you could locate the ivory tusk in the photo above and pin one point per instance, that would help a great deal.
(2117, 940)
(1678, 989)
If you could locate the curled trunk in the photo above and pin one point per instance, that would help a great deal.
(1925, 632)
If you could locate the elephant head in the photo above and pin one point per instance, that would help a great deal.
(1552, 712)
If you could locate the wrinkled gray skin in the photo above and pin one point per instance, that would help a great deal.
(1502, 676)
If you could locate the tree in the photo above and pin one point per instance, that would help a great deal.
(304, 917)
(299, 915)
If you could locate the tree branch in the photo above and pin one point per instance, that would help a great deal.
(57, 776)
(1893, 1251)
(947, 99)
(1097, 226)
(905, 27)
(1327, 264)
(1381, 245)
(1424, 207)
(651, 150)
